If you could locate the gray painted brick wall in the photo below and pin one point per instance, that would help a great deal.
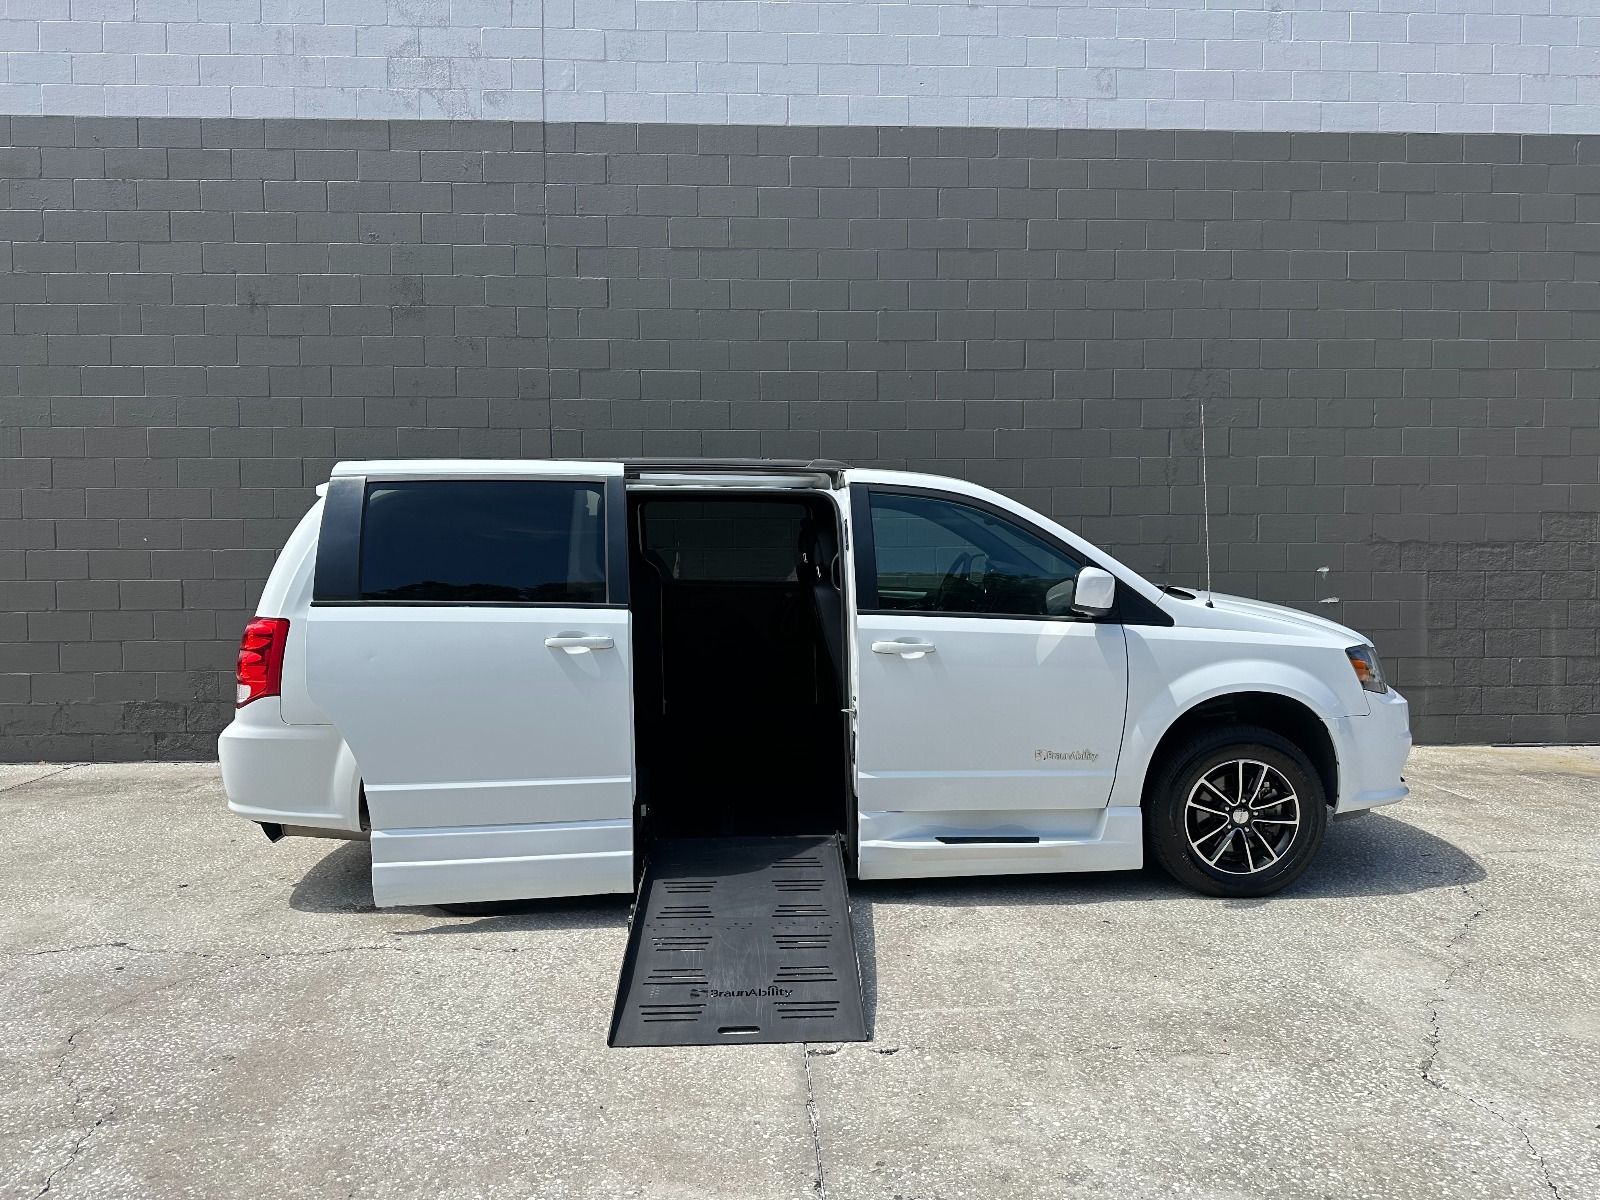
(1395, 336)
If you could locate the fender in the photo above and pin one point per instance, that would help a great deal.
(1161, 707)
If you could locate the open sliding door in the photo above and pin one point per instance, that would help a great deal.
(469, 637)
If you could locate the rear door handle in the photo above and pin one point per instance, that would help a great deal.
(904, 647)
(579, 643)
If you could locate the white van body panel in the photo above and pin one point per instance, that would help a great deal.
(279, 773)
(1236, 645)
(1173, 670)
(288, 594)
(1006, 728)
(503, 749)
(283, 763)
(1372, 752)
(495, 741)
(945, 742)
(1000, 715)
(458, 866)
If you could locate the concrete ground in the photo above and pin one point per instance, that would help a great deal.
(186, 1010)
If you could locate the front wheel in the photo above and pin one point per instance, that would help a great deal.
(1236, 812)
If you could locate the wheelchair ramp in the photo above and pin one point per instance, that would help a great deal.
(740, 940)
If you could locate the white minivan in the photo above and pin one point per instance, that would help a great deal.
(516, 677)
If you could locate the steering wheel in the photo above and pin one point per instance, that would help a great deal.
(956, 583)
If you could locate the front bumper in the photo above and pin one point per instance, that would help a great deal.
(281, 774)
(1372, 751)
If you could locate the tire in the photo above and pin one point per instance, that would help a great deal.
(1222, 854)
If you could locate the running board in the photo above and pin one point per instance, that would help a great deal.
(740, 940)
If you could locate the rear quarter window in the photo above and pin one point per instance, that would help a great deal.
(483, 541)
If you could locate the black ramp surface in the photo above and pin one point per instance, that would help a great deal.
(740, 940)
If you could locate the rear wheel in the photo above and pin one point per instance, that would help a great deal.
(1236, 812)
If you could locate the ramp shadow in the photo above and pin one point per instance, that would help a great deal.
(1375, 855)
(866, 939)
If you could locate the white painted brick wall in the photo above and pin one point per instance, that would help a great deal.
(1418, 65)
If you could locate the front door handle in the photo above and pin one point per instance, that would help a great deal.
(904, 647)
(579, 643)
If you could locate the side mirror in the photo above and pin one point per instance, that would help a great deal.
(1096, 592)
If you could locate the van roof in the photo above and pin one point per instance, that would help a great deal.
(739, 466)
(631, 467)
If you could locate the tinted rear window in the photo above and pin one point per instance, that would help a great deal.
(484, 541)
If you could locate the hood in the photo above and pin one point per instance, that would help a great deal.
(1240, 612)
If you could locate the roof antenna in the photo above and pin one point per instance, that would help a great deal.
(1205, 501)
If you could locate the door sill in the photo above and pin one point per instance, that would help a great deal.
(1109, 839)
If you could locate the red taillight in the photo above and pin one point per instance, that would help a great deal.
(260, 670)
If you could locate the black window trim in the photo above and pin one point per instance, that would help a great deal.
(337, 577)
(1130, 607)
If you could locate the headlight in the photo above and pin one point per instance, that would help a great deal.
(1364, 660)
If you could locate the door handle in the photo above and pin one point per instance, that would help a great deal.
(579, 643)
(905, 648)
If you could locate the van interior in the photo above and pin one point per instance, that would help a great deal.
(739, 682)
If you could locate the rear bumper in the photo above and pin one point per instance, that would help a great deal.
(1372, 752)
(292, 775)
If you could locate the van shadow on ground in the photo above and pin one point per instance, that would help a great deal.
(1376, 855)
(340, 882)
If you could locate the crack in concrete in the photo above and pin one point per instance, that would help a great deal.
(1079, 1048)
(78, 1100)
(1519, 1127)
(22, 783)
(21, 956)
(1435, 1035)
(1538, 1155)
(240, 958)
(224, 963)
(70, 1079)
(72, 1154)
(819, 1181)
(1435, 1032)
(67, 949)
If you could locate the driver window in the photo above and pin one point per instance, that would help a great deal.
(936, 555)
